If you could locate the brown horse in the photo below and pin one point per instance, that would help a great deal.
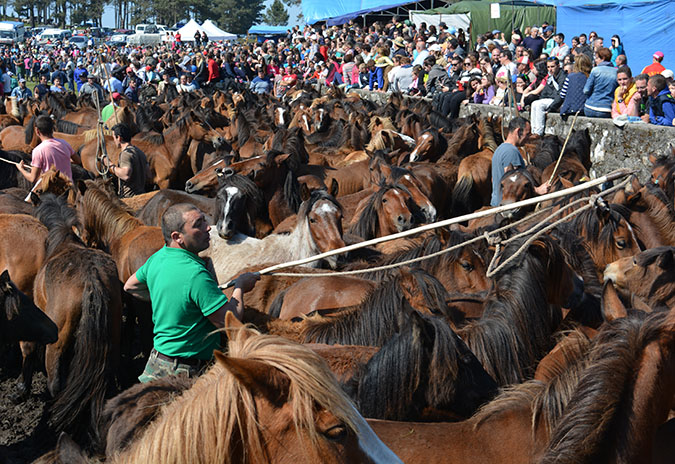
(79, 290)
(647, 276)
(273, 399)
(22, 250)
(385, 212)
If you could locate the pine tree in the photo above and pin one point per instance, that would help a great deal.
(237, 16)
(276, 14)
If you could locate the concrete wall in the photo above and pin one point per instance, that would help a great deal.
(613, 147)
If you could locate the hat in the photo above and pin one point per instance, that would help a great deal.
(383, 62)
(658, 55)
(667, 73)
(524, 60)
(548, 29)
(431, 39)
(435, 48)
(130, 69)
(516, 36)
(442, 24)
(116, 95)
(22, 80)
(399, 42)
(452, 30)
(148, 68)
(496, 31)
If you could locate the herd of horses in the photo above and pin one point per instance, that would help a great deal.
(566, 353)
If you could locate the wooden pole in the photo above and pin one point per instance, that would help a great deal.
(447, 222)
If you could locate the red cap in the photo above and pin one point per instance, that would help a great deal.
(148, 68)
(130, 69)
(658, 55)
(116, 95)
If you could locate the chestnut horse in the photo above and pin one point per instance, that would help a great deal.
(79, 290)
(385, 212)
(268, 400)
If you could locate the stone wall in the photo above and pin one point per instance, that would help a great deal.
(613, 147)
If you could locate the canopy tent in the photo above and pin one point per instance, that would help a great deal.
(458, 21)
(187, 32)
(268, 30)
(213, 32)
(341, 11)
(644, 26)
(512, 15)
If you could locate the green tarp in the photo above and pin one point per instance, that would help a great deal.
(516, 14)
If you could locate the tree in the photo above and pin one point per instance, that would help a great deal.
(276, 14)
(237, 16)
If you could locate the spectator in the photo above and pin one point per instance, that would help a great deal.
(421, 53)
(584, 47)
(561, 49)
(572, 92)
(500, 93)
(438, 80)
(132, 169)
(417, 85)
(549, 40)
(661, 102)
(600, 86)
(625, 102)
(616, 48)
(109, 109)
(549, 94)
(131, 92)
(92, 88)
(21, 92)
(486, 90)
(515, 41)
(656, 67)
(534, 42)
(621, 60)
(261, 83)
(642, 95)
(42, 88)
(402, 77)
(508, 68)
(57, 86)
(80, 75)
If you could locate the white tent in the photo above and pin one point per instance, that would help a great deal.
(215, 33)
(187, 32)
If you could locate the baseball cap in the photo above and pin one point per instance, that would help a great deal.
(496, 31)
(435, 48)
(431, 39)
(116, 95)
(130, 69)
(548, 29)
(667, 73)
(22, 80)
(658, 55)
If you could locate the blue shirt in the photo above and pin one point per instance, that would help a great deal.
(668, 108)
(504, 155)
(600, 87)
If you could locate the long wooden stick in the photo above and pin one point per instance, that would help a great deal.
(447, 222)
(562, 150)
(15, 163)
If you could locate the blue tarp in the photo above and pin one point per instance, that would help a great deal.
(643, 26)
(340, 11)
(268, 30)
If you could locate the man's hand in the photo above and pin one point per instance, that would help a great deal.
(246, 281)
(22, 166)
(645, 117)
(543, 189)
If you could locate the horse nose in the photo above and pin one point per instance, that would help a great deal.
(188, 186)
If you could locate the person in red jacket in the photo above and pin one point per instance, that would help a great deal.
(214, 71)
(656, 67)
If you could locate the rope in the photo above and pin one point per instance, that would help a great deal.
(101, 154)
(479, 214)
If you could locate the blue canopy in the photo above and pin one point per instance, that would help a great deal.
(268, 30)
(644, 26)
(340, 11)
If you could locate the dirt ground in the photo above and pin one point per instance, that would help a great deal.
(23, 435)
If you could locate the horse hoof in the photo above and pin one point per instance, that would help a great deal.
(20, 394)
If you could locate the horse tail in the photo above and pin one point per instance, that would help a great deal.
(463, 196)
(275, 307)
(88, 369)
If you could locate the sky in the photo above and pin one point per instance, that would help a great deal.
(109, 14)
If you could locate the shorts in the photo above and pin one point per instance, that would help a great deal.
(157, 368)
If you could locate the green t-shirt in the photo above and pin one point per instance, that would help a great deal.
(183, 293)
(107, 111)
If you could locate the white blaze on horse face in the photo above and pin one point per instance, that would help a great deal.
(413, 155)
(232, 193)
(306, 121)
(513, 178)
(325, 208)
(372, 445)
(218, 162)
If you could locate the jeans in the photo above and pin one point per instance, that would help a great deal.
(589, 113)
(538, 115)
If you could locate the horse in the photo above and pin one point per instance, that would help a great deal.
(385, 212)
(318, 230)
(647, 276)
(268, 400)
(20, 319)
(78, 288)
(151, 213)
(517, 184)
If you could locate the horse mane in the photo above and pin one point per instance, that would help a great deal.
(57, 183)
(66, 127)
(591, 430)
(523, 171)
(60, 220)
(155, 138)
(438, 121)
(368, 222)
(243, 128)
(146, 117)
(56, 105)
(219, 407)
(460, 140)
(336, 135)
(29, 131)
(440, 140)
(517, 323)
(547, 401)
(103, 215)
(591, 222)
(385, 122)
(380, 141)
(548, 150)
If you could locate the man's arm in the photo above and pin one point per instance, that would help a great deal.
(31, 175)
(137, 288)
(243, 284)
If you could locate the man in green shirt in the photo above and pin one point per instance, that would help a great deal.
(109, 109)
(187, 304)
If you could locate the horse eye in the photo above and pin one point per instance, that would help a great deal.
(621, 244)
(312, 220)
(336, 433)
(634, 262)
(466, 265)
(384, 200)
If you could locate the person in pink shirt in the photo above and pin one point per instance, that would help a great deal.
(51, 152)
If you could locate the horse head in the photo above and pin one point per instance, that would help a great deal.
(323, 217)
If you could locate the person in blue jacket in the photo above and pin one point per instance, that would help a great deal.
(80, 75)
(661, 102)
(600, 86)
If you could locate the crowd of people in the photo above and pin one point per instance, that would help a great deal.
(534, 70)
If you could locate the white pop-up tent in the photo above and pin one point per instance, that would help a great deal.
(187, 32)
(215, 33)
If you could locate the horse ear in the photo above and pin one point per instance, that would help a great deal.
(304, 192)
(666, 260)
(334, 188)
(612, 306)
(279, 159)
(231, 321)
(4, 278)
(257, 376)
(34, 199)
(69, 451)
(652, 158)
(81, 186)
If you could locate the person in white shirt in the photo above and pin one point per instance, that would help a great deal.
(561, 49)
